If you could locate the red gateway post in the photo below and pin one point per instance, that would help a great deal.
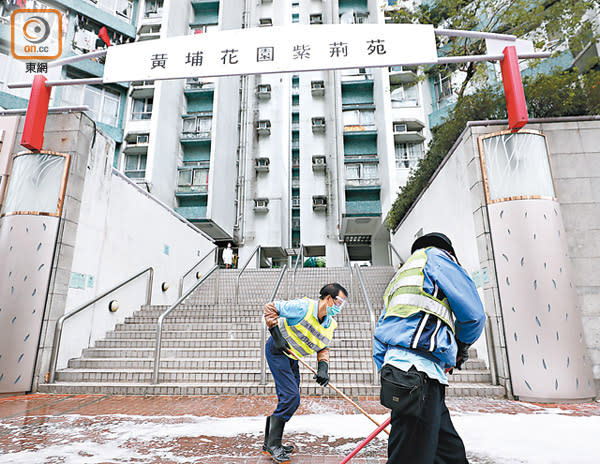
(35, 118)
(516, 105)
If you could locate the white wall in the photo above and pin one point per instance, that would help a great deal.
(121, 231)
(446, 207)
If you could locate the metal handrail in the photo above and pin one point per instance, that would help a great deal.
(298, 259)
(215, 250)
(161, 318)
(237, 282)
(347, 259)
(393, 248)
(61, 320)
(263, 332)
(371, 315)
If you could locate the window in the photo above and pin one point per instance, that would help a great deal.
(354, 17)
(359, 118)
(408, 155)
(204, 28)
(154, 8)
(359, 171)
(295, 18)
(265, 22)
(141, 108)
(135, 166)
(316, 18)
(197, 126)
(405, 95)
(443, 87)
(193, 178)
(121, 8)
(104, 104)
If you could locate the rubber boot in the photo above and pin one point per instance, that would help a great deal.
(289, 449)
(274, 447)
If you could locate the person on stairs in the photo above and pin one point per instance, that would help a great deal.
(432, 314)
(302, 327)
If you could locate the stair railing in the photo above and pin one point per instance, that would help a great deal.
(61, 320)
(300, 258)
(263, 332)
(237, 281)
(392, 248)
(371, 315)
(216, 252)
(161, 318)
(347, 262)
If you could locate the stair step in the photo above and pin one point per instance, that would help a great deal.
(247, 388)
(215, 334)
(217, 343)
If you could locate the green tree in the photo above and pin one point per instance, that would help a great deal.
(563, 93)
(552, 25)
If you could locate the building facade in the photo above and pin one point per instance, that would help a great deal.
(309, 161)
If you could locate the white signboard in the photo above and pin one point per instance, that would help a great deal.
(272, 50)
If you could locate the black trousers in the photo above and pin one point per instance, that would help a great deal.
(428, 439)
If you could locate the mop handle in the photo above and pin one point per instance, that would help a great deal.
(339, 392)
(363, 443)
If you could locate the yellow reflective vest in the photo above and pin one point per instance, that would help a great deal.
(308, 336)
(405, 296)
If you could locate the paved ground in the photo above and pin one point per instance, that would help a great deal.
(109, 429)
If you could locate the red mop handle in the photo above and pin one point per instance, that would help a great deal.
(367, 440)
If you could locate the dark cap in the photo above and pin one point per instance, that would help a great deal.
(434, 239)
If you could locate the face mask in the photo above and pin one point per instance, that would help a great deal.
(335, 309)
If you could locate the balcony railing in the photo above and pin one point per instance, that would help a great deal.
(200, 135)
(191, 188)
(364, 182)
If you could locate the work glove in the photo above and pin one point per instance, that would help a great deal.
(280, 344)
(322, 376)
(462, 354)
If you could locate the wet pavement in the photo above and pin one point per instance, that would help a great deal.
(100, 429)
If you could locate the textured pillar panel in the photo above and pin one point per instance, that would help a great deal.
(544, 336)
(26, 249)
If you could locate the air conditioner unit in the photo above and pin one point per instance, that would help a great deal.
(400, 128)
(295, 202)
(266, 1)
(261, 205)
(319, 162)
(263, 127)
(141, 139)
(262, 22)
(316, 18)
(262, 164)
(317, 88)
(263, 91)
(318, 124)
(319, 202)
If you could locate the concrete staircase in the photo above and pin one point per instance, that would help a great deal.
(211, 345)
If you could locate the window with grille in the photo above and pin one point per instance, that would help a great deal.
(408, 154)
(135, 166)
(141, 108)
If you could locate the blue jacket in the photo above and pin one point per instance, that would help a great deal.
(464, 301)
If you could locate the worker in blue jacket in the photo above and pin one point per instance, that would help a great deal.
(432, 314)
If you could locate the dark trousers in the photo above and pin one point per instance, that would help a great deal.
(429, 438)
(287, 381)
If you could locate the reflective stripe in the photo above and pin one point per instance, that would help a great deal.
(420, 331)
(418, 263)
(434, 335)
(427, 304)
(303, 338)
(308, 326)
(410, 281)
(300, 351)
(414, 264)
(308, 335)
